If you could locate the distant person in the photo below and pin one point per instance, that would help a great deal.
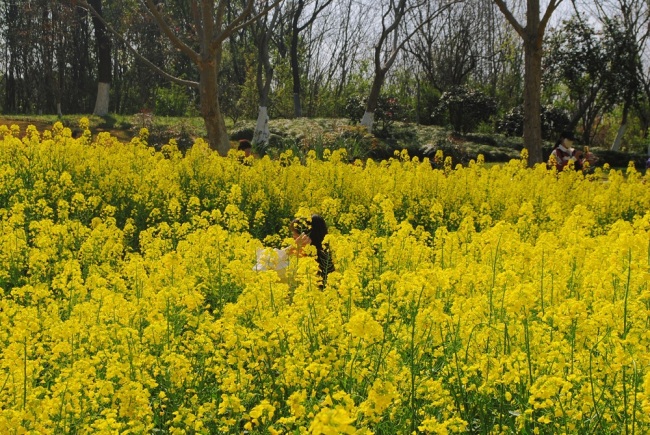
(313, 233)
(564, 153)
(305, 232)
(246, 147)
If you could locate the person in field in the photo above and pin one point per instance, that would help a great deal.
(305, 232)
(563, 153)
(246, 147)
(313, 233)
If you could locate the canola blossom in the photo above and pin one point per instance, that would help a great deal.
(496, 300)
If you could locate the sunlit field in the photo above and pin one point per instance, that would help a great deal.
(500, 300)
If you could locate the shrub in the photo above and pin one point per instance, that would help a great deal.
(554, 120)
(465, 108)
(429, 101)
(387, 112)
(357, 142)
(172, 101)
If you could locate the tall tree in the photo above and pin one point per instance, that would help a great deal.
(532, 35)
(577, 71)
(104, 69)
(204, 47)
(297, 8)
(625, 25)
(343, 51)
(400, 20)
(446, 49)
(79, 75)
(10, 40)
(262, 33)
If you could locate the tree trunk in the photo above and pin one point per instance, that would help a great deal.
(532, 100)
(297, 108)
(104, 61)
(262, 132)
(619, 137)
(295, 72)
(293, 58)
(10, 92)
(533, 36)
(215, 123)
(417, 100)
(373, 98)
(621, 129)
(264, 77)
(368, 120)
(11, 50)
(101, 103)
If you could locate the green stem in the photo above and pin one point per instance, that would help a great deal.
(627, 292)
(635, 395)
(494, 277)
(527, 338)
(624, 403)
(415, 308)
(24, 372)
(541, 285)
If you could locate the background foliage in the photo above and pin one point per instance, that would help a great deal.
(594, 70)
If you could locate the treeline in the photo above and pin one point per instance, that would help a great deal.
(456, 63)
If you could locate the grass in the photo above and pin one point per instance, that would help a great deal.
(124, 127)
(295, 133)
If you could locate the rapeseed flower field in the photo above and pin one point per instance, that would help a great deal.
(497, 300)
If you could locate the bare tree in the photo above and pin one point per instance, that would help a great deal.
(446, 48)
(400, 20)
(103, 61)
(344, 52)
(211, 27)
(262, 33)
(626, 22)
(532, 35)
(297, 8)
(499, 55)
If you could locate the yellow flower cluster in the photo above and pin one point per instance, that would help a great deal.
(494, 300)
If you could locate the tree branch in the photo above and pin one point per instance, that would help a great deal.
(135, 52)
(417, 29)
(237, 24)
(221, 11)
(511, 19)
(208, 23)
(317, 10)
(197, 17)
(552, 6)
(173, 38)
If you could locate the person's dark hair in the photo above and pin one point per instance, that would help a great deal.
(565, 135)
(316, 230)
(244, 144)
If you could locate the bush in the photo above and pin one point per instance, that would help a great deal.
(429, 101)
(357, 142)
(387, 112)
(172, 101)
(355, 106)
(182, 132)
(512, 122)
(465, 108)
(554, 120)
